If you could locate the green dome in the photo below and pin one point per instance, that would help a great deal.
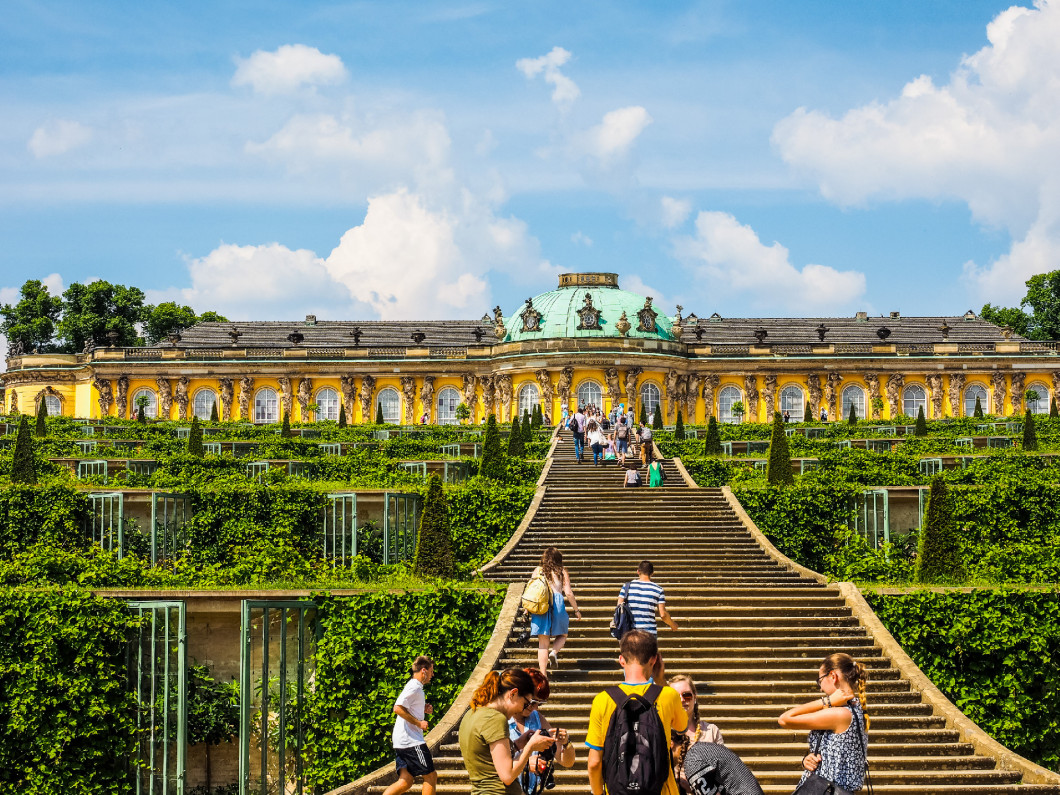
(565, 312)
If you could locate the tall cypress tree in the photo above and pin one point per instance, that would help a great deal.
(379, 414)
(1030, 433)
(42, 417)
(939, 551)
(213, 412)
(1053, 411)
(435, 556)
(515, 439)
(23, 469)
(656, 418)
(527, 431)
(921, 423)
(978, 413)
(679, 428)
(643, 417)
(195, 438)
(778, 470)
(712, 446)
(285, 427)
(853, 418)
(493, 464)
(342, 415)
(808, 416)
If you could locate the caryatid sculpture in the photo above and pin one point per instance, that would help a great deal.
(224, 385)
(122, 400)
(831, 394)
(956, 391)
(895, 382)
(769, 394)
(305, 397)
(873, 382)
(750, 388)
(504, 391)
(632, 374)
(1019, 381)
(934, 382)
(997, 380)
(692, 395)
(286, 396)
(367, 392)
(165, 398)
(408, 395)
(489, 394)
(614, 387)
(246, 388)
(102, 386)
(813, 387)
(348, 386)
(544, 383)
(427, 397)
(469, 393)
(670, 385)
(711, 381)
(566, 378)
(181, 397)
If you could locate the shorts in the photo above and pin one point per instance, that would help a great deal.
(622, 445)
(417, 760)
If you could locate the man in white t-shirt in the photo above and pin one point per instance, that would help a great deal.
(410, 750)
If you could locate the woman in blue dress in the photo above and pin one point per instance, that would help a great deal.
(553, 625)
(523, 726)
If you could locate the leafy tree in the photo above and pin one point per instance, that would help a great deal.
(195, 438)
(211, 317)
(492, 466)
(778, 470)
(1018, 320)
(434, 543)
(166, 318)
(738, 410)
(938, 552)
(213, 713)
(463, 413)
(978, 413)
(712, 446)
(379, 419)
(656, 418)
(213, 412)
(1043, 298)
(141, 408)
(921, 423)
(23, 469)
(91, 311)
(1030, 434)
(679, 428)
(285, 427)
(643, 417)
(42, 418)
(853, 418)
(342, 415)
(515, 439)
(32, 321)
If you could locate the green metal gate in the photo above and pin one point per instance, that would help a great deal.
(340, 528)
(157, 665)
(871, 517)
(169, 514)
(105, 523)
(278, 639)
(401, 520)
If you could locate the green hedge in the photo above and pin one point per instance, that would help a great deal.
(365, 658)
(993, 653)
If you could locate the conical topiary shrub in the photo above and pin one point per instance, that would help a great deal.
(538, 418)
(643, 416)
(527, 431)
(808, 416)
(1030, 433)
(939, 550)
(921, 423)
(515, 439)
(679, 428)
(342, 415)
(23, 469)
(978, 412)
(712, 446)
(285, 427)
(853, 418)
(435, 556)
(42, 419)
(141, 415)
(1053, 411)
(778, 470)
(493, 465)
(656, 418)
(379, 414)
(195, 438)
(213, 412)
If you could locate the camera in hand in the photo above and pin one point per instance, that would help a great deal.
(546, 759)
(546, 754)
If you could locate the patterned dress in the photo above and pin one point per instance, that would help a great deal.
(843, 754)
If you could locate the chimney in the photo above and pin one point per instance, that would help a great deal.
(896, 315)
(310, 320)
(861, 316)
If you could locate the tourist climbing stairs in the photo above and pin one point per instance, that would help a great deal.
(751, 633)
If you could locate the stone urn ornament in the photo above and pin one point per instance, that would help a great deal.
(677, 326)
(623, 325)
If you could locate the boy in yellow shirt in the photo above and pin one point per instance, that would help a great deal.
(639, 652)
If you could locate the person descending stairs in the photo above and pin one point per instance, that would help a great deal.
(751, 634)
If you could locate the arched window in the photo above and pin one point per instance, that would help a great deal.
(528, 398)
(727, 396)
(793, 403)
(650, 397)
(150, 405)
(914, 399)
(590, 394)
(266, 406)
(53, 405)
(202, 405)
(327, 404)
(390, 400)
(1040, 405)
(853, 396)
(448, 400)
(970, 394)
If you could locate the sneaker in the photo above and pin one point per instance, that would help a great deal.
(553, 660)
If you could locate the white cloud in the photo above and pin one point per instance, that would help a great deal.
(674, 211)
(988, 137)
(58, 137)
(288, 69)
(731, 259)
(564, 90)
(579, 238)
(612, 139)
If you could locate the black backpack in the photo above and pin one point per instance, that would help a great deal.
(637, 745)
(623, 619)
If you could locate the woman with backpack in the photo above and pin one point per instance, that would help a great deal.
(484, 743)
(554, 624)
(838, 726)
(621, 439)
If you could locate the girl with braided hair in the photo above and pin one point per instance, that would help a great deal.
(838, 725)
(699, 730)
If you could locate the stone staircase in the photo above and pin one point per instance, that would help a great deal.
(751, 633)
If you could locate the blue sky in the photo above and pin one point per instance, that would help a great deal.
(403, 160)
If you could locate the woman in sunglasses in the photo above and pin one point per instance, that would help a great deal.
(530, 721)
(699, 731)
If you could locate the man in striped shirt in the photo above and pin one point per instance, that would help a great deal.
(644, 597)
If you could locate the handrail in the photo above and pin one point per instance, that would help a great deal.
(386, 775)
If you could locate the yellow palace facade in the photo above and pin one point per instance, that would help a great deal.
(587, 341)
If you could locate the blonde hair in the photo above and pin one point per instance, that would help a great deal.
(686, 741)
(497, 684)
(853, 673)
